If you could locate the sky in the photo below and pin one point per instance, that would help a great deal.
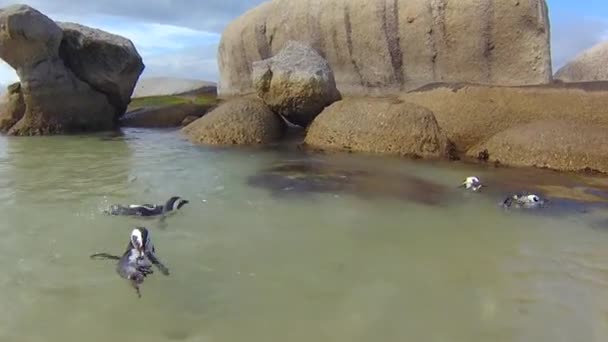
(179, 38)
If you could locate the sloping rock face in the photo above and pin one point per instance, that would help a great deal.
(471, 114)
(56, 99)
(555, 144)
(109, 63)
(388, 46)
(297, 83)
(241, 121)
(378, 126)
(591, 65)
(164, 116)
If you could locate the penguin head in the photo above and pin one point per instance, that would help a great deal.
(534, 199)
(140, 240)
(175, 203)
(472, 183)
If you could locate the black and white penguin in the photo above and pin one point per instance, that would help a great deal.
(148, 210)
(523, 201)
(136, 262)
(472, 183)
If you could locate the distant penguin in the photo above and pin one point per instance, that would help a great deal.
(136, 262)
(523, 201)
(147, 210)
(472, 183)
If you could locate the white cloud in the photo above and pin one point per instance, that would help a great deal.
(196, 62)
(151, 38)
(7, 74)
(206, 15)
(572, 35)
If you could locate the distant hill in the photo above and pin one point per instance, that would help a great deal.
(157, 86)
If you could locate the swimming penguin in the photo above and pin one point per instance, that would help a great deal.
(472, 183)
(523, 201)
(137, 260)
(148, 210)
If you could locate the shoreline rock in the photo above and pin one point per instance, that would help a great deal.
(470, 114)
(381, 126)
(553, 144)
(241, 121)
(57, 98)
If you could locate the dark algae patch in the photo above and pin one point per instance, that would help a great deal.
(300, 179)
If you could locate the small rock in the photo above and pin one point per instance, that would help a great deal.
(297, 83)
(241, 121)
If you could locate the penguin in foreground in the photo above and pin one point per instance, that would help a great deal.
(523, 201)
(136, 262)
(471, 183)
(147, 210)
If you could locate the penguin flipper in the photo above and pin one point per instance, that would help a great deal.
(161, 267)
(104, 256)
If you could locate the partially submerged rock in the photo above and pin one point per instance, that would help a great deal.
(163, 116)
(555, 144)
(297, 83)
(590, 65)
(58, 99)
(382, 126)
(242, 121)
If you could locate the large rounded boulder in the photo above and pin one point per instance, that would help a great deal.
(389, 46)
(590, 65)
(380, 126)
(107, 62)
(555, 144)
(58, 99)
(297, 83)
(241, 121)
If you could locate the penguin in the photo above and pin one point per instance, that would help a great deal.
(136, 262)
(472, 183)
(523, 201)
(148, 210)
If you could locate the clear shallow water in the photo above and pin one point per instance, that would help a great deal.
(369, 262)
